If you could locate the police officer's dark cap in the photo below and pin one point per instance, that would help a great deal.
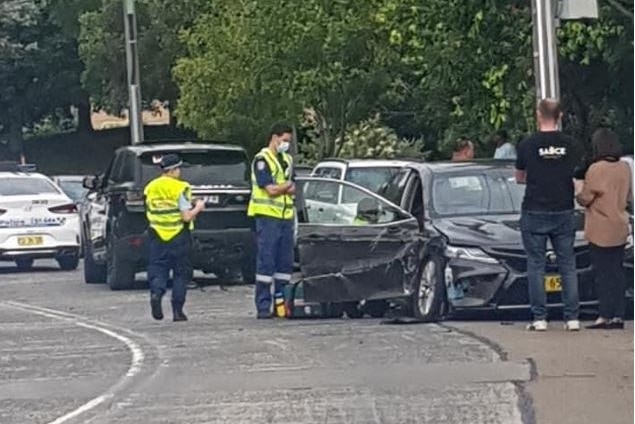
(170, 161)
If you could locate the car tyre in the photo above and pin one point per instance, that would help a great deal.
(120, 275)
(68, 262)
(429, 297)
(94, 273)
(24, 264)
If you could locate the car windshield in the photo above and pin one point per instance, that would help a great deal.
(212, 167)
(73, 189)
(370, 178)
(26, 186)
(476, 193)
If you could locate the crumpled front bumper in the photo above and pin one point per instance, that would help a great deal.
(505, 285)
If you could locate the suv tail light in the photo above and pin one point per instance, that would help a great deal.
(134, 198)
(66, 209)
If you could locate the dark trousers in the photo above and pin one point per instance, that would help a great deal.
(174, 256)
(274, 264)
(609, 280)
(559, 228)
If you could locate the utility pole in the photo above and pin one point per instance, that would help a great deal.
(545, 49)
(132, 62)
(546, 16)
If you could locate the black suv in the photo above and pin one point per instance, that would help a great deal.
(114, 226)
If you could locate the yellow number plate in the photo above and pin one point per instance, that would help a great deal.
(30, 241)
(553, 283)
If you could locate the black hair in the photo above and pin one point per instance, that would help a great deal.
(502, 134)
(280, 128)
(605, 144)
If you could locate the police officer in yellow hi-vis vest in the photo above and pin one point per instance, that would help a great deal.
(171, 217)
(272, 205)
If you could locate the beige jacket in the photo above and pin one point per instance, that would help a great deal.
(607, 189)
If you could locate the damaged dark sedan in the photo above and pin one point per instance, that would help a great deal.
(441, 237)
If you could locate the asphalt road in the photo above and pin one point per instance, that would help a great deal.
(77, 353)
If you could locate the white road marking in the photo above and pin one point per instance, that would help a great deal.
(136, 363)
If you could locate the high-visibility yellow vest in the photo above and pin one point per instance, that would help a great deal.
(261, 204)
(162, 206)
(360, 221)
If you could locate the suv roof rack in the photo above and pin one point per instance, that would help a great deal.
(12, 166)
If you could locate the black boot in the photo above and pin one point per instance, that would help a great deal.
(155, 304)
(177, 312)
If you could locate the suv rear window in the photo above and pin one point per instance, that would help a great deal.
(26, 186)
(202, 167)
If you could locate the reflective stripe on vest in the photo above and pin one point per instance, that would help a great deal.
(261, 204)
(162, 206)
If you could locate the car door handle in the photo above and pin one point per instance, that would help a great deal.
(317, 237)
(394, 229)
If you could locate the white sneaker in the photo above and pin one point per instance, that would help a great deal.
(572, 325)
(540, 325)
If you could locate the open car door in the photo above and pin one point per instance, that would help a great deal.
(355, 247)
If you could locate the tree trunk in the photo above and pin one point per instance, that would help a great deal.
(84, 112)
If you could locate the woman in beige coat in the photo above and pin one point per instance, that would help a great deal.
(605, 195)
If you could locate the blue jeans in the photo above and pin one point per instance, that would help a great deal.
(559, 227)
(274, 263)
(174, 256)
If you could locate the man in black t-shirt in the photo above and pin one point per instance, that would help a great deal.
(546, 162)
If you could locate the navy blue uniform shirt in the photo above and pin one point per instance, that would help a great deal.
(263, 173)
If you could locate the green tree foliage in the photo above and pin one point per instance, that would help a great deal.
(596, 69)
(251, 62)
(371, 140)
(102, 49)
(39, 69)
(368, 139)
(440, 69)
(462, 68)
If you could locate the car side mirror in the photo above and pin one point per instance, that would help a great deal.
(91, 182)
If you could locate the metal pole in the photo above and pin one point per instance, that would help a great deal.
(132, 63)
(545, 49)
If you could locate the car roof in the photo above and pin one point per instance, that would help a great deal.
(474, 165)
(140, 149)
(68, 177)
(366, 163)
(22, 175)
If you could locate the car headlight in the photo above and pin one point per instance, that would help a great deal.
(469, 253)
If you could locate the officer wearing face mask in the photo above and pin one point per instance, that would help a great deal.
(272, 205)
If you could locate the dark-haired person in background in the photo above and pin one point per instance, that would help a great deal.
(504, 148)
(546, 162)
(605, 193)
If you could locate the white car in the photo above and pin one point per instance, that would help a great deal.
(37, 221)
(337, 203)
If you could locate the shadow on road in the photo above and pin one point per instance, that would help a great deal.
(7, 270)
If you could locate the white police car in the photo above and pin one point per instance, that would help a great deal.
(37, 221)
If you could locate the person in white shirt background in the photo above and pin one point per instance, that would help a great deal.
(504, 148)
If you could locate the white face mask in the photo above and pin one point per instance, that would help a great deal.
(283, 147)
